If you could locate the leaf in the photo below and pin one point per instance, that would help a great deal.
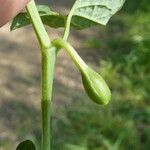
(86, 13)
(48, 17)
(26, 145)
(80, 23)
(19, 21)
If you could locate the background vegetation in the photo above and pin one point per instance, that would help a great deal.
(125, 64)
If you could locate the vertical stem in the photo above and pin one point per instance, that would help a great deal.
(48, 63)
(38, 26)
(68, 23)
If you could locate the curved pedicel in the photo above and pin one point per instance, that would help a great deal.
(94, 85)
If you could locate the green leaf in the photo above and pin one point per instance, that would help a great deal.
(80, 23)
(19, 21)
(86, 13)
(48, 17)
(26, 145)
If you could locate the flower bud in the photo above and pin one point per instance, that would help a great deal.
(95, 86)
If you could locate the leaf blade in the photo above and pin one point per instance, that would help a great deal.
(26, 145)
(19, 21)
(84, 13)
(48, 17)
(96, 11)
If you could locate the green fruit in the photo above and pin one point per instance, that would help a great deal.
(95, 86)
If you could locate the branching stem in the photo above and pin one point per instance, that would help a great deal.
(48, 53)
(61, 43)
(40, 31)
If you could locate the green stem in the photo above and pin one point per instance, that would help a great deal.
(67, 27)
(60, 43)
(48, 63)
(48, 53)
(40, 31)
(68, 23)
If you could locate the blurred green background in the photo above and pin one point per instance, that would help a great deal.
(120, 52)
